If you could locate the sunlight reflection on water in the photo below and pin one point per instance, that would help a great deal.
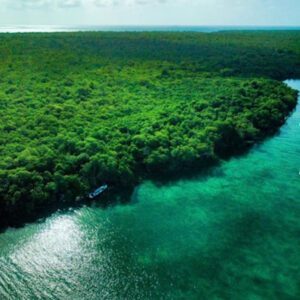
(62, 235)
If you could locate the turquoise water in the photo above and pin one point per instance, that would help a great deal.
(232, 234)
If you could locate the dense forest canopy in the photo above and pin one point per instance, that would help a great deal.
(81, 109)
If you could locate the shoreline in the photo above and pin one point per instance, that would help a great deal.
(84, 109)
(122, 195)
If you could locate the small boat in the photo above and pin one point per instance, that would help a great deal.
(98, 191)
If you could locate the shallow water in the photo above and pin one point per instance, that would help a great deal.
(233, 234)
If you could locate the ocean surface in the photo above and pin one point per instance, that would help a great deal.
(233, 233)
(49, 28)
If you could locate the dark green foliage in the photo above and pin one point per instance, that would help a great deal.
(80, 109)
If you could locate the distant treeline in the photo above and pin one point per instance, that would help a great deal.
(81, 109)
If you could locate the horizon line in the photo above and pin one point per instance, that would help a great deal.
(143, 25)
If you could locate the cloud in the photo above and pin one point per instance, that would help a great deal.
(69, 3)
(106, 2)
(39, 4)
(101, 3)
(27, 3)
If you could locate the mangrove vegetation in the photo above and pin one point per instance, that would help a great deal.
(82, 109)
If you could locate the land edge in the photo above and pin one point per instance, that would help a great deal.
(123, 195)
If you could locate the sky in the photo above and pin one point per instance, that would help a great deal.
(150, 12)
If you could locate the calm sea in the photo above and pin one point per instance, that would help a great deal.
(50, 28)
